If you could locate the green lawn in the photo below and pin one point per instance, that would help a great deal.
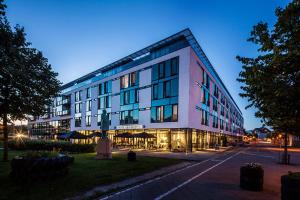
(84, 174)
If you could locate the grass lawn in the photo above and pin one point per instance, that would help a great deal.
(84, 174)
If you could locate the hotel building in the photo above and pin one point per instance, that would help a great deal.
(168, 89)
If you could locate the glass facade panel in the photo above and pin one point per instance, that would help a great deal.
(168, 113)
(154, 72)
(167, 89)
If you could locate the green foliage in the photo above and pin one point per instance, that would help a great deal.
(27, 82)
(271, 81)
(38, 166)
(46, 145)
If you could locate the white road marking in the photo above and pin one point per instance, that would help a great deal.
(155, 179)
(253, 154)
(194, 177)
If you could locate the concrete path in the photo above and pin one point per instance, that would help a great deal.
(215, 178)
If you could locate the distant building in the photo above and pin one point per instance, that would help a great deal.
(262, 132)
(168, 89)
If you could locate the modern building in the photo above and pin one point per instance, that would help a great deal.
(168, 89)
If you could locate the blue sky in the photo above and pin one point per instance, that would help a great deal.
(80, 36)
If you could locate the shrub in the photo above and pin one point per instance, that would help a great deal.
(131, 156)
(290, 186)
(47, 145)
(252, 177)
(39, 166)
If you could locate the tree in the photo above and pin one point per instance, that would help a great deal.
(27, 82)
(271, 81)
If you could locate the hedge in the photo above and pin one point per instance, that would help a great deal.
(47, 145)
(39, 166)
(290, 186)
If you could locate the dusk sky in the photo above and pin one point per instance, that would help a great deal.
(81, 36)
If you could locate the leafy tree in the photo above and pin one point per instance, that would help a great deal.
(27, 82)
(271, 81)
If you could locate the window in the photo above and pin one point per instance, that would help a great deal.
(205, 79)
(78, 96)
(129, 97)
(167, 89)
(161, 68)
(129, 117)
(205, 97)
(215, 104)
(104, 102)
(175, 113)
(88, 93)
(222, 110)
(78, 107)
(129, 80)
(125, 81)
(221, 124)
(167, 113)
(133, 79)
(174, 66)
(88, 105)
(205, 118)
(215, 121)
(155, 91)
(88, 120)
(77, 121)
(126, 97)
(154, 72)
(174, 87)
(216, 91)
(105, 88)
(167, 68)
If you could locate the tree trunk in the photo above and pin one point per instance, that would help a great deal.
(285, 154)
(5, 142)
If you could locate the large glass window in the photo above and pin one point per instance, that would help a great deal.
(129, 117)
(129, 80)
(129, 97)
(167, 113)
(105, 88)
(104, 102)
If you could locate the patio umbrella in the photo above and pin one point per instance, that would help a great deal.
(124, 135)
(63, 136)
(144, 135)
(77, 135)
(95, 134)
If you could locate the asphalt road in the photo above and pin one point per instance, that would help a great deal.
(214, 178)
